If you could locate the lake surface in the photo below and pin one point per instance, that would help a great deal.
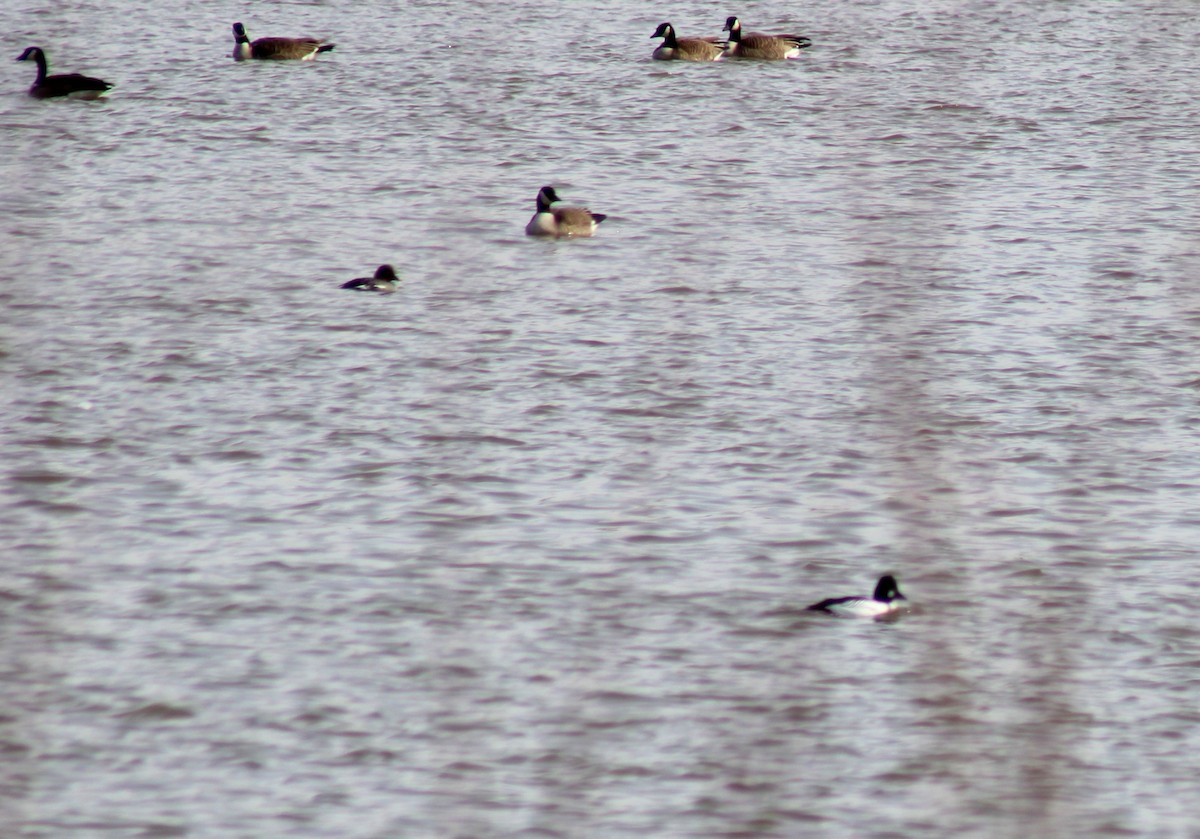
(522, 550)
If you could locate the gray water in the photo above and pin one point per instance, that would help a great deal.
(522, 550)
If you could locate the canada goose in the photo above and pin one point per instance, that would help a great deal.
(385, 280)
(758, 45)
(560, 221)
(685, 49)
(72, 85)
(281, 49)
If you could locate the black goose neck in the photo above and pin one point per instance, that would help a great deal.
(40, 58)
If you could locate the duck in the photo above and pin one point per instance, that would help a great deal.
(385, 280)
(760, 46)
(278, 49)
(71, 85)
(561, 221)
(674, 48)
(882, 602)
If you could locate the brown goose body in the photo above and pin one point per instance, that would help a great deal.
(275, 49)
(760, 46)
(674, 48)
(562, 222)
(71, 85)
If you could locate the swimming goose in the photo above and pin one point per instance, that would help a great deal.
(561, 221)
(880, 603)
(281, 49)
(685, 49)
(72, 85)
(758, 45)
(385, 280)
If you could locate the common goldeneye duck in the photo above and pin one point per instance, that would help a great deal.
(881, 602)
(385, 280)
(565, 222)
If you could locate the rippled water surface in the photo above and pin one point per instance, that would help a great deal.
(523, 549)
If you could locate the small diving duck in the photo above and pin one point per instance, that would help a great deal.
(70, 85)
(880, 603)
(385, 280)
